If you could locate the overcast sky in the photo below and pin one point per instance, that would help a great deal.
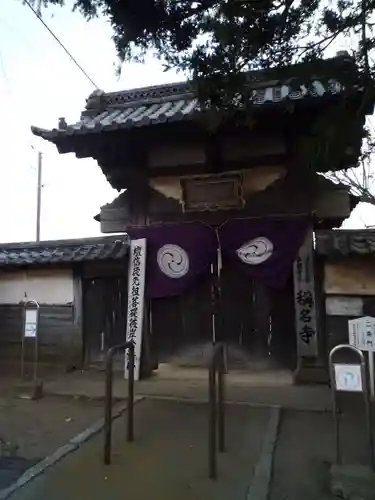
(39, 84)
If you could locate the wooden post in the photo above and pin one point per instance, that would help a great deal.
(261, 319)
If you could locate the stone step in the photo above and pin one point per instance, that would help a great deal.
(199, 356)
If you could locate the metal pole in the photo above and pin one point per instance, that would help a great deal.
(366, 394)
(23, 346)
(108, 408)
(371, 374)
(108, 398)
(39, 197)
(221, 408)
(131, 394)
(213, 303)
(212, 458)
(336, 416)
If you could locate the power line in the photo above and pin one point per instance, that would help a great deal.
(60, 43)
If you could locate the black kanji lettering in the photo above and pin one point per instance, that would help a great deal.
(305, 298)
(306, 333)
(305, 316)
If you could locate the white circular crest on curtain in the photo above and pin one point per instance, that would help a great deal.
(256, 251)
(173, 261)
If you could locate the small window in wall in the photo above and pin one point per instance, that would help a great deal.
(212, 193)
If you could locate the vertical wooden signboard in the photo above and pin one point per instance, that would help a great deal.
(136, 289)
(305, 300)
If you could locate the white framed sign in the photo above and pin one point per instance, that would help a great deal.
(348, 378)
(362, 336)
(136, 292)
(31, 323)
(362, 333)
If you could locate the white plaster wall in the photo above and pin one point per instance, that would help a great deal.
(45, 286)
(349, 277)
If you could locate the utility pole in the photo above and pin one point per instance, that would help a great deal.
(39, 197)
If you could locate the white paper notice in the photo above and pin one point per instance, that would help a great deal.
(348, 378)
(31, 322)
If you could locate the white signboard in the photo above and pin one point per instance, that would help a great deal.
(344, 306)
(31, 323)
(362, 336)
(362, 333)
(348, 378)
(136, 288)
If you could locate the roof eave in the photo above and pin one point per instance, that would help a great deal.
(48, 135)
(64, 252)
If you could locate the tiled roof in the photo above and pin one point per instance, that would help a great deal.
(175, 102)
(64, 251)
(345, 242)
(170, 103)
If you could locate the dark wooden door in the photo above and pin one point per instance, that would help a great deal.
(256, 319)
(181, 321)
(105, 305)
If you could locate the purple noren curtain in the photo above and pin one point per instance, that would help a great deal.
(264, 248)
(177, 256)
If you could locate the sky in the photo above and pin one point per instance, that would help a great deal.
(39, 84)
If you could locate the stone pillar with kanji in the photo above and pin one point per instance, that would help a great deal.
(310, 368)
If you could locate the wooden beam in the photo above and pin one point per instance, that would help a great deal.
(121, 178)
(331, 204)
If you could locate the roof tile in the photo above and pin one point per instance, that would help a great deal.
(174, 102)
(344, 242)
(64, 251)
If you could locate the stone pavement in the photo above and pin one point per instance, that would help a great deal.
(167, 461)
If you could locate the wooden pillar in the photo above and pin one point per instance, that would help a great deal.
(147, 360)
(79, 355)
(261, 322)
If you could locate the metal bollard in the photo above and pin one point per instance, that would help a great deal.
(350, 378)
(216, 429)
(108, 398)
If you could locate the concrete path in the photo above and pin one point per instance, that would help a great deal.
(306, 449)
(192, 384)
(167, 461)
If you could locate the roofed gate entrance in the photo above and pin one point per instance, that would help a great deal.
(177, 168)
(224, 283)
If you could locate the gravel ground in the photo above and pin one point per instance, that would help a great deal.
(38, 428)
